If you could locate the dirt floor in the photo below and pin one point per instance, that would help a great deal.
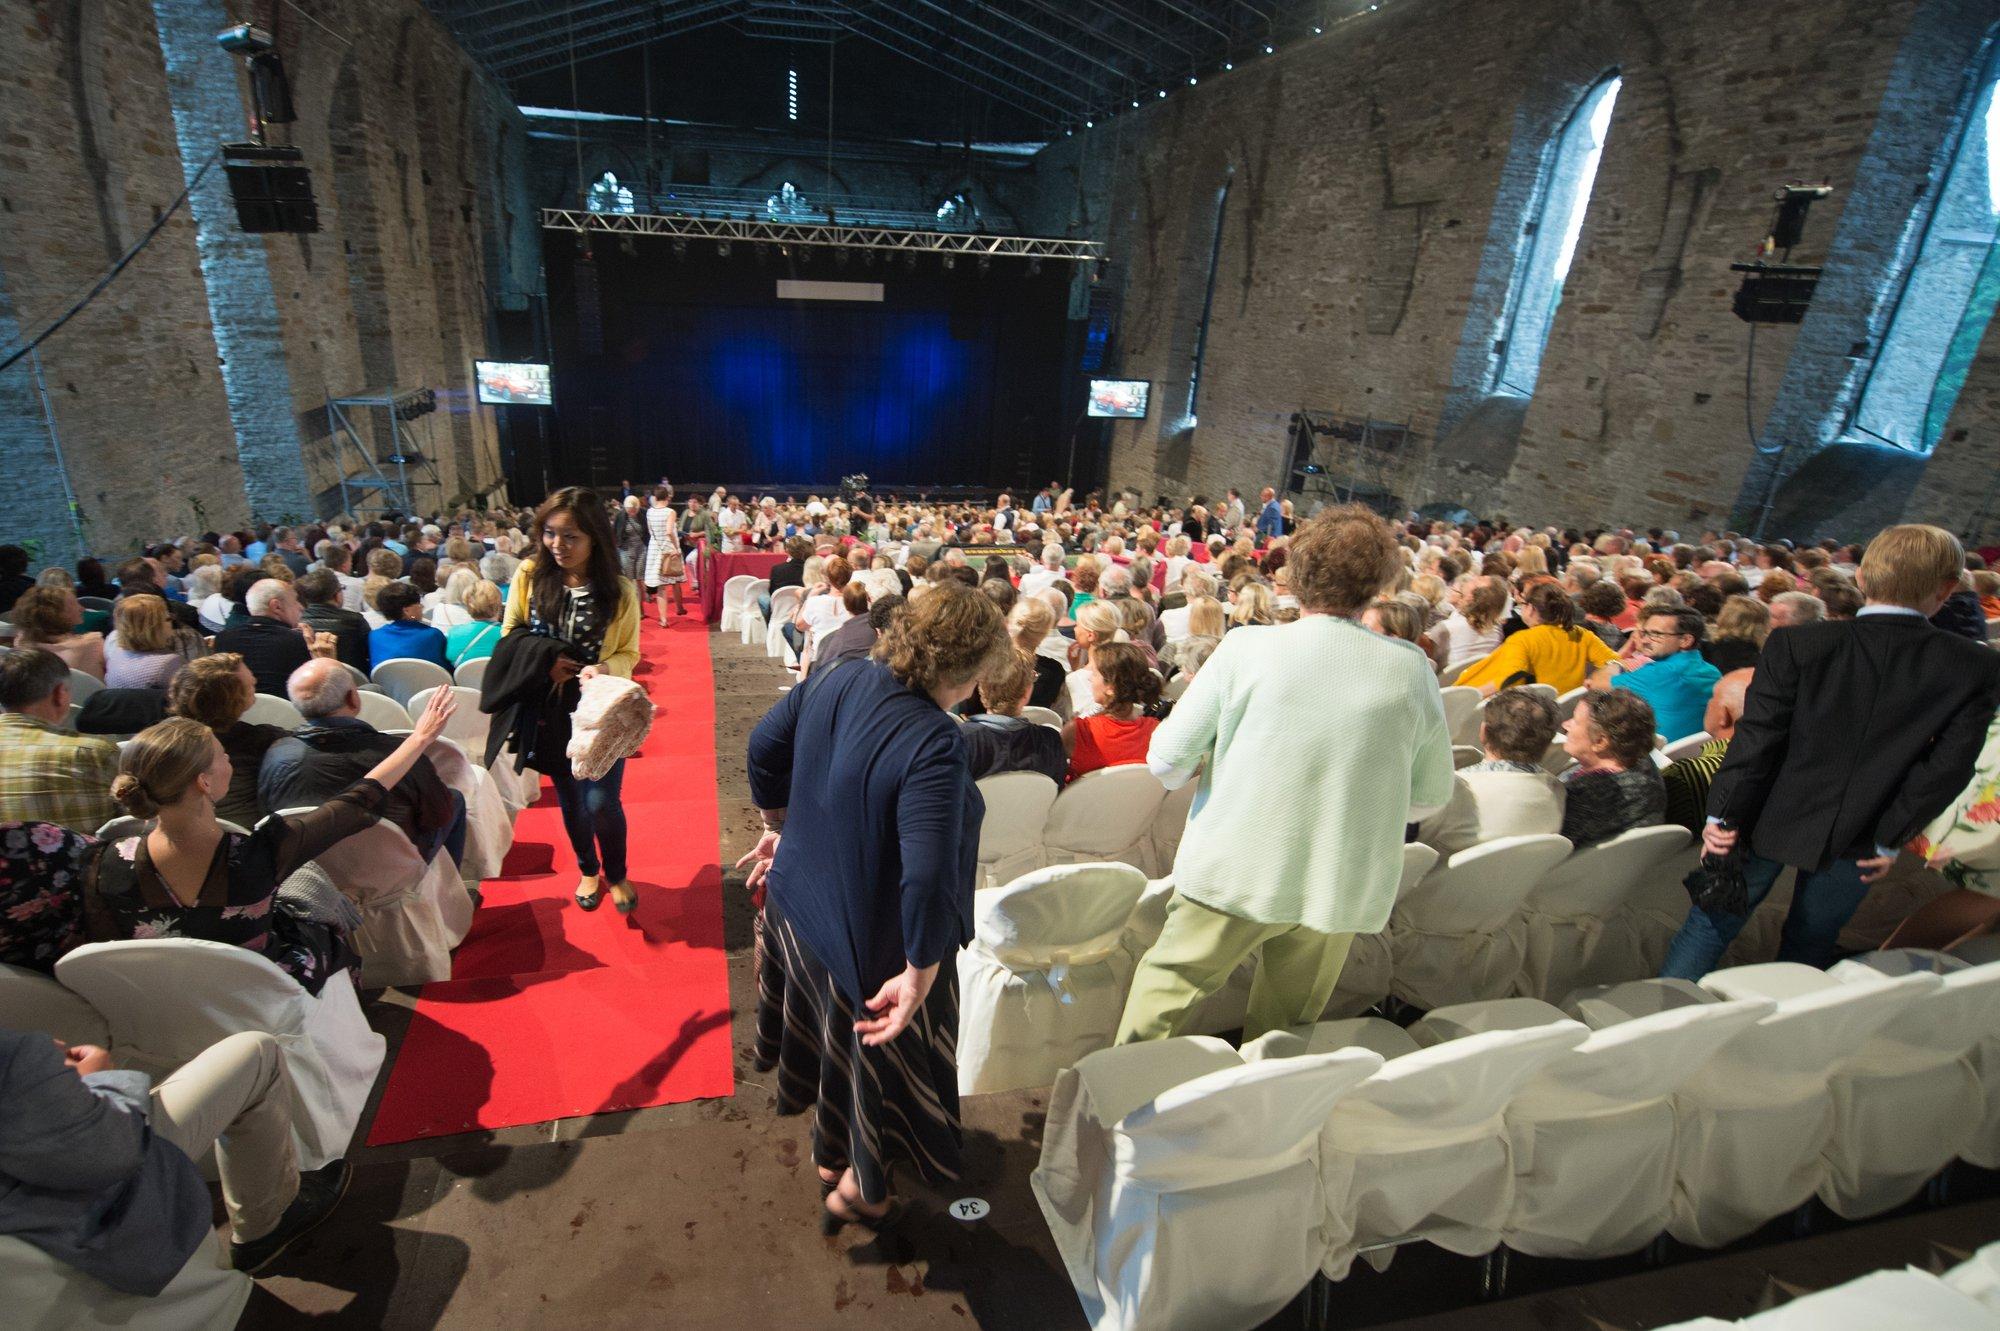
(704, 1215)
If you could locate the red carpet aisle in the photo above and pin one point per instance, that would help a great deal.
(552, 1012)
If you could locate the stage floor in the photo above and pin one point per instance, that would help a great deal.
(702, 1215)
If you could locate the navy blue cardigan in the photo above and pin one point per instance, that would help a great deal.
(881, 840)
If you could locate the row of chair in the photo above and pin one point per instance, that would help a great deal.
(1188, 1184)
(1115, 813)
(1963, 1298)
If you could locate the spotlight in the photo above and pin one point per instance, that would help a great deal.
(1317, 30)
(1034, 268)
(1228, 65)
(950, 262)
(1269, 49)
(680, 249)
(1090, 124)
(1163, 92)
(1190, 80)
(985, 265)
(722, 249)
(1135, 103)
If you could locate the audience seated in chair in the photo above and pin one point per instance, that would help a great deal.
(50, 618)
(321, 595)
(147, 648)
(272, 638)
(1119, 729)
(1687, 781)
(1550, 650)
(336, 748)
(97, 1164)
(216, 691)
(1508, 793)
(47, 774)
(41, 908)
(475, 639)
(403, 632)
(1614, 786)
(998, 739)
(1668, 671)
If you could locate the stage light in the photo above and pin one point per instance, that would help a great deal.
(985, 265)
(1090, 124)
(950, 262)
(1190, 80)
(1228, 64)
(1034, 268)
(1269, 49)
(722, 249)
(1163, 92)
(680, 249)
(1135, 103)
(1317, 30)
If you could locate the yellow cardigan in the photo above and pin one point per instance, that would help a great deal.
(621, 636)
(1563, 658)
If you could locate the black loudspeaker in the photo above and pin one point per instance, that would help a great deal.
(272, 188)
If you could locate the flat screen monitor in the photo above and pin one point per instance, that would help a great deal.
(513, 383)
(1123, 398)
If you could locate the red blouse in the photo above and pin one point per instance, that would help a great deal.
(1105, 741)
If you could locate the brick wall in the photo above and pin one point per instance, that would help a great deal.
(419, 169)
(1381, 178)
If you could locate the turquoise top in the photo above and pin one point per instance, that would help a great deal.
(471, 642)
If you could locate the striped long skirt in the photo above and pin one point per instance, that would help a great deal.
(873, 1107)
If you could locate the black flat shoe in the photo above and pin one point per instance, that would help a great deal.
(594, 900)
(319, 1192)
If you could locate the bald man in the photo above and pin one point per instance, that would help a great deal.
(1688, 780)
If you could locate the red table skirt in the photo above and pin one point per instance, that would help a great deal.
(716, 570)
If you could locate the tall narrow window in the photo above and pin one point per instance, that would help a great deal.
(1948, 294)
(792, 94)
(1207, 303)
(1549, 243)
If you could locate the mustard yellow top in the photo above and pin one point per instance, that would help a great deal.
(620, 650)
(1562, 658)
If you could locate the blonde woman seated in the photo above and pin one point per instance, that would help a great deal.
(1196, 583)
(49, 618)
(371, 587)
(448, 610)
(186, 877)
(1031, 624)
(476, 638)
(1738, 637)
(1395, 619)
(1508, 793)
(146, 648)
(1253, 605)
(1205, 623)
(998, 740)
(1097, 623)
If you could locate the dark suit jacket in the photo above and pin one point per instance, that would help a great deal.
(271, 648)
(1854, 735)
(324, 757)
(349, 630)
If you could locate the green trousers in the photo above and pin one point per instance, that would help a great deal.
(1200, 948)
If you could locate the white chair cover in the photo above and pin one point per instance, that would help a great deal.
(784, 606)
(1978, 1276)
(31, 1001)
(45, 1294)
(1576, 927)
(468, 725)
(1044, 981)
(1755, 1123)
(1566, 705)
(1368, 973)
(1170, 823)
(412, 913)
(403, 678)
(471, 674)
(1106, 815)
(1593, 1132)
(383, 712)
(1180, 1182)
(167, 999)
(81, 686)
(1461, 714)
(266, 710)
(489, 823)
(1465, 755)
(751, 619)
(733, 593)
(1686, 747)
(1420, 1150)
(1905, 1300)
(1010, 838)
(1448, 935)
(1042, 716)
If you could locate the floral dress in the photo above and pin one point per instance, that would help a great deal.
(41, 909)
(1969, 830)
(125, 896)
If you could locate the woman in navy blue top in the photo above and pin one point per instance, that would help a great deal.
(871, 834)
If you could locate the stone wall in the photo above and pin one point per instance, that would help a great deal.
(1380, 179)
(191, 393)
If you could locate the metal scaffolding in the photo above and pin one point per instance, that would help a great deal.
(403, 415)
(832, 235)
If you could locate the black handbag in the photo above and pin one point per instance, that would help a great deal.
(1716, 885)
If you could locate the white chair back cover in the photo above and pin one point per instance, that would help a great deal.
(1576, 926)
(1462, 714)
(266, 710)
(489, 823)
(167, 999)
(31, 1001)
(468, 725)
(384, 712)
(1686, 747)
(734, 592)
(1448, 936)
(405, 677)
(1566, 705)
(1179, 1182)
(1044, 980)
(81, 686)
(1420, 1149)
(784, 606)
(1010, 838)
(47, 1294)
(1465, 755)
(1042, 716)
(1170, 823)
(1368, 974)
(751, 620)
(1106, 815)
(471, 674)
(412, 913)
(1905, 1300)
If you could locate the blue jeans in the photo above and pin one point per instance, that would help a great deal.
(593, 814)
(1823, 901)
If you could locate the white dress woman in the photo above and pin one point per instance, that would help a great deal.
(664, 565)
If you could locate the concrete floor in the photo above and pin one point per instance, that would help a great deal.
(704, 1215)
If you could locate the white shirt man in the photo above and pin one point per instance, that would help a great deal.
(1045, 574)
(732, 520)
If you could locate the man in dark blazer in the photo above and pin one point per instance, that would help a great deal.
(1855, 734)
(269, 638)
(319, 594)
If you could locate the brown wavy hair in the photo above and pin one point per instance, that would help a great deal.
(1123, 667)
(946, 637)
(210, 691)
(1341, 558)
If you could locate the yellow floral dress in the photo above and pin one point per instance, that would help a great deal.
(1967, 834)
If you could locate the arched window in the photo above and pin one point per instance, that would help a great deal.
(1207, 301)
(1948, 291)
(1549, 240)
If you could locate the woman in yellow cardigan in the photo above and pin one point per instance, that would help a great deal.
(571, 588)
(1551, 650)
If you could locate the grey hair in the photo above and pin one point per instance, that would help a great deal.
(1114, 581)
(1052, 555)
(319, 688)
(1805, 607)
(204, 582)
(264, 595)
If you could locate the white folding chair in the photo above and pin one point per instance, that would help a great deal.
(1462, 708)
(405, 676)
(1420, 1150)
(1105, 815)
(784, 608)
(81, 686)
(733, 593)
(1180, 1183)
(1689, 747)
(1042, 716)
(1556, 760)
(267, 710)
(751, 617)
(471, 674)
(167, 999)
(1010, 837)
(1044, 980)
(1575, 927)
(1368, 973)
(412, 913)
(384, 712)
(1593, 1132)
(31, 1001)
(1450, 677)
(1448, 936)
(45, 1293)
(357, 674)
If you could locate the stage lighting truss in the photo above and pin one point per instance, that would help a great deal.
(865, 238)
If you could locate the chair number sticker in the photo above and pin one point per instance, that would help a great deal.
(970, 1208)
